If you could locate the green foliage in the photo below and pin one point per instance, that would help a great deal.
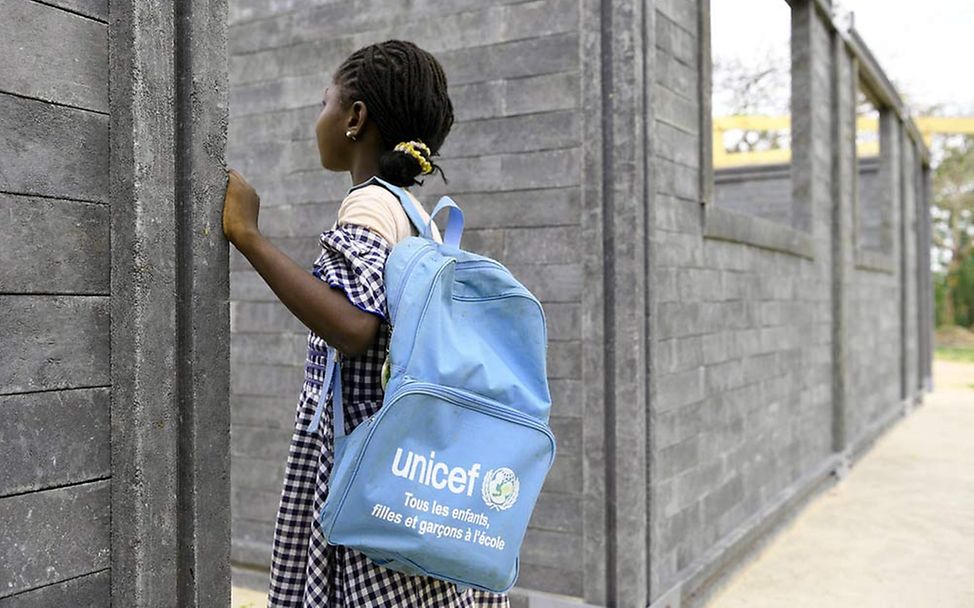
(939, 295)
(955, 353)
(953, 232)
(962, 295)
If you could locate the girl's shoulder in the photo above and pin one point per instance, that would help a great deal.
(375, 207)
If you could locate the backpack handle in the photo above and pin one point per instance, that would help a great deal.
(454, 223)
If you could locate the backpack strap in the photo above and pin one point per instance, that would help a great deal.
(333, 380)
(454, 224)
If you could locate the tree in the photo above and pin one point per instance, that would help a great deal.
(953, 220)
(748, 89)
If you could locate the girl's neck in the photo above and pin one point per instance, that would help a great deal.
(359, 183)
(362, 170)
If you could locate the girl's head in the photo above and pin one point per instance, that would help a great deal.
(381, 95)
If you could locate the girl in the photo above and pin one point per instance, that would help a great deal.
(386, 112)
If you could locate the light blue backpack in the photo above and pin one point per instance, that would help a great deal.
(442, 480)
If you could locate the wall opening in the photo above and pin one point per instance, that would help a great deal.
(872, 194)
(751, 98)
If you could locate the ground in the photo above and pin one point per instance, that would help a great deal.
(896, 531)
(245, 598)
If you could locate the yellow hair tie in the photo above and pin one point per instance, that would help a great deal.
(409, 147)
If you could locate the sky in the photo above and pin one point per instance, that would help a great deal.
(924, 51)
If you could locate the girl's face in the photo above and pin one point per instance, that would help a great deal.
(333, 145)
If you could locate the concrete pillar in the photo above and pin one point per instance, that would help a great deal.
(925, 225)
(908, 260)
(844, 179)
(615, 39)
(169, 310)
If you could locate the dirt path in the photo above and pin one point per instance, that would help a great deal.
(897, 531)
(246, 598)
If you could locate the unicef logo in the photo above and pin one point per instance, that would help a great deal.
(500, 488)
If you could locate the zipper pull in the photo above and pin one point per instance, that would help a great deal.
(386, 372)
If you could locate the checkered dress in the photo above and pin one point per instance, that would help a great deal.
(305, 570)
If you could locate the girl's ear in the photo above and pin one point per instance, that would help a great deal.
(358, 115)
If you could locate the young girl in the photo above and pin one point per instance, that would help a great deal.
(386, 112)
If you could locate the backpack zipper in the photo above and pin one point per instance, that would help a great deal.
(422, 314)
(456, 396)
(409, 266)
(452, 395)
(517, 571)
(526, 293)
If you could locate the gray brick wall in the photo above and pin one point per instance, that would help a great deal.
(54, 304)
(876, 345)
(746, 355)
(114, 447)
(764, 191)
(771, 348)
(513, 161)
(909, 262)
(870, 201)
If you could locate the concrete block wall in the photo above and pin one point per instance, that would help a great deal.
(876, 340)
(743, 402)
(869, 203)
(909, 270)
(513, 164)
(709, 367)
(780, 351)
(114, 449)
(764, 191)
(55, 266)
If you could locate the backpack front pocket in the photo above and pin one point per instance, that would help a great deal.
(443, 481)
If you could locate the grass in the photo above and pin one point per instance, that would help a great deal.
(955, 353)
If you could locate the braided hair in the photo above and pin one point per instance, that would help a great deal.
(405, 90)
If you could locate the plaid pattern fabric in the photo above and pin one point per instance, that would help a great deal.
(306, 572)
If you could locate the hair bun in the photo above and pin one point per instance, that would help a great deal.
(418, 150)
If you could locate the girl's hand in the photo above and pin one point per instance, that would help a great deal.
(241, 206)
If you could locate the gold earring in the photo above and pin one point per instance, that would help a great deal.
(349, 135)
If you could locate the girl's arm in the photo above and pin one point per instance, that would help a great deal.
(323, 309)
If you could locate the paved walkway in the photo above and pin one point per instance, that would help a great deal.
(897, 531)
(245, 598)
